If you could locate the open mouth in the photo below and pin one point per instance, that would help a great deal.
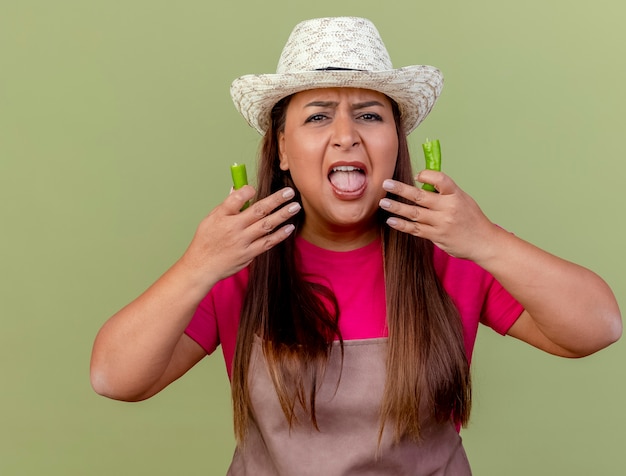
(347, 179)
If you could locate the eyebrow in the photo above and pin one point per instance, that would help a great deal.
(358, 105)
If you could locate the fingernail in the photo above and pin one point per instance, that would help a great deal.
(392, 221)
(289, 193)
(293, 208)
(384, 203)
(388, 185)
(289, 229)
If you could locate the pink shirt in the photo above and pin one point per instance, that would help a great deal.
(357, 279)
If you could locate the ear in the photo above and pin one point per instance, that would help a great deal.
(282, 155)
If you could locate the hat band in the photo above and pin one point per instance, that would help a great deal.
(335, 68)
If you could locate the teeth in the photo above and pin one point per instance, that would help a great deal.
(346, 168)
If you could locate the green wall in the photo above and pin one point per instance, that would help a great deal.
(116, 132)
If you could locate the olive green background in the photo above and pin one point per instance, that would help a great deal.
(116, 133)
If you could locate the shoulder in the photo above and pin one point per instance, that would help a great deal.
(232, 287)
(451, 269)
(469, 285)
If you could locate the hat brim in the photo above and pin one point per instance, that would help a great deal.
(414, 88)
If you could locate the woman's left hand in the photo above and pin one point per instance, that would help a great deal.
(451, 219)
(569, 310)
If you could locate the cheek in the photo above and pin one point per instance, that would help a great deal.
(393, 147)
(304, 175)
(302, 155)
(388, 153)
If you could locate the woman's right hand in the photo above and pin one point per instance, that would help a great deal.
(143, 348)
(228, 239)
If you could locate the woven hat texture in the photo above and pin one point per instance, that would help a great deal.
(337, 52)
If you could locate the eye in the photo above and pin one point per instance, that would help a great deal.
(316, 117)
(370, 117)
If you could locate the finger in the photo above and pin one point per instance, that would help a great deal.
(442, 182)
(236, 199)
(268, 224)
(268, 232)
(403, 190)
(414, 228)
(263, 208)
(413, 213)
(270, 240)
(409, 192)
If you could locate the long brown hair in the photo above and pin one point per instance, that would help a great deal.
(426, 364)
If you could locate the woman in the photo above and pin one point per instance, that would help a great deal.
(346, 300)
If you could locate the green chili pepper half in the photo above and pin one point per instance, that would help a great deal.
(240, 178)
(432, 154)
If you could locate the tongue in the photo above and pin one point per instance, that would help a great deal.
(347, 181)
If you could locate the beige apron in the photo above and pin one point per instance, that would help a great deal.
(348, 420)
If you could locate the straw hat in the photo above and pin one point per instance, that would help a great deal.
(337, 52)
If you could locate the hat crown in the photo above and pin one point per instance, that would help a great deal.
(334, 53)
(336, 43)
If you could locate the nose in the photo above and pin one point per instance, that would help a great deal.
(345, 133)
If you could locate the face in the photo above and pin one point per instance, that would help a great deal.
(339, 145)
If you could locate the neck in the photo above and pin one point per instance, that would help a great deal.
(339, 238)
